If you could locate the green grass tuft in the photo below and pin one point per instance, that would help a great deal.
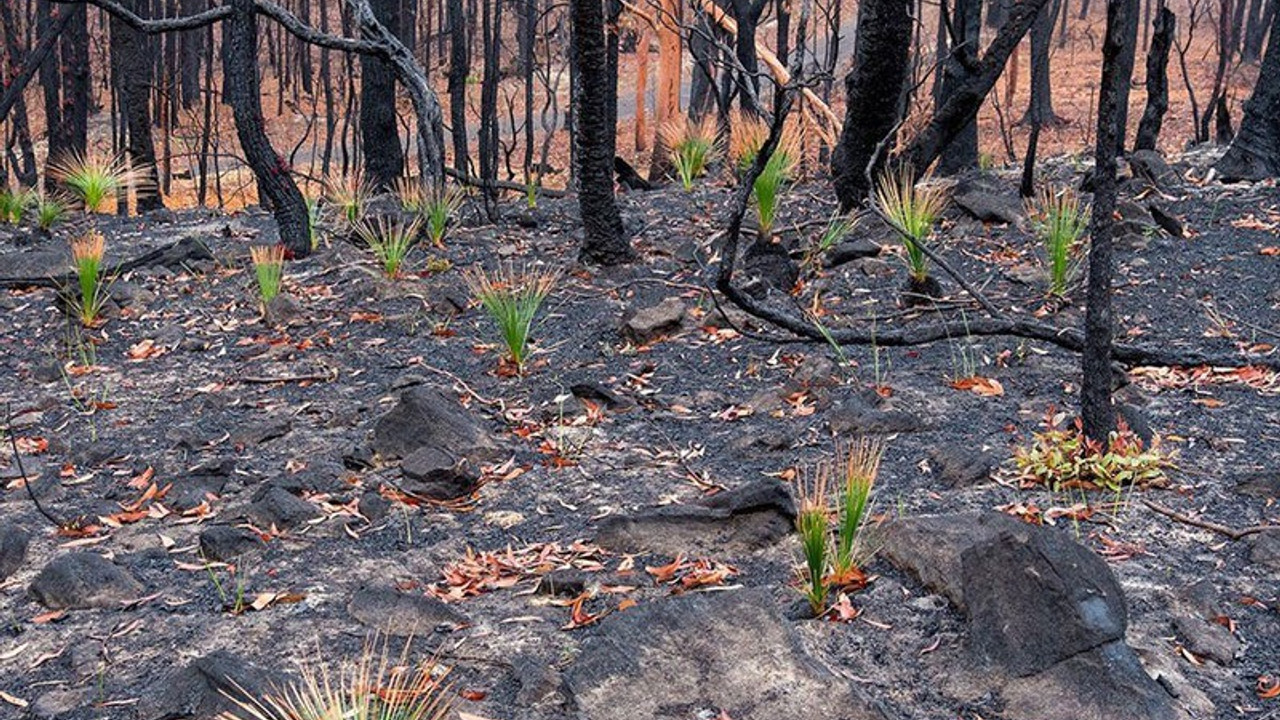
(512, 300)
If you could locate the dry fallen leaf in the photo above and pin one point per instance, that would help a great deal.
(1268, 687)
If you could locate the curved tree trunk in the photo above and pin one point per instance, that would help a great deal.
(275, 185)
(129, 51)
(962, 152)
(1254, 154)
(604, 240)
(873, 92)
(379, 134)
(1095, 392)
(1166, 26)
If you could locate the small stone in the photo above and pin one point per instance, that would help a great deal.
(403, 614)
(62, 702)
(540, 683)
(849, 250)
(959, 466)
(650, 323)
(1262, 484)
(1207, 640)
(207, 688)
(222, 543)
(83, 580)
(1264, 549)
(433, 473)
(283, 310)
(987, 204)
(373, 506)
(274, 505)
(260, 433)
(13, 549)
(854, 417)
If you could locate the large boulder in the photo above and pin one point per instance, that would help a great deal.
(206, 688)
(425, 418)
(738, 521)
(1046, 617)
(706, 655)
(83, 580)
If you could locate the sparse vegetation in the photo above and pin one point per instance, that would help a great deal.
(375, 686)
(350, 197)
(512, 298)
(49, 211)
(440, 206)
(692, 145)
(93, 180)
(1060, 222)
(14, 205)
(859, 464)
(813, 516)
(1060, 457)
(769, 185)
(390, 239)
(911, 208)
(268, 270)
(86, 259)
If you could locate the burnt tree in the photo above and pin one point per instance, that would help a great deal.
(966, 32)
(1095, 358)
(873, 92)
(1254, 154)
(459, 67)
(962, 105)
(1040, 109)
(379, 134)
(604, 239)
(1165, 28)
(133, 70)
(747, 14)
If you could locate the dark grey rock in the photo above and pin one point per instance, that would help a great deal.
(1207, 640)
(433, 473)
(1037, 598)
(13, 549)
(373, 506)
(283, 310)
(273, 505)
(855, 417)
(1262, 484)
(960, 466)
(259, 433)
(130, 294)
(426, 418)
(566, 582)
(1102, 683)
(771, 264)
(1152, 167)
(1167, 221)
(207, 688)
(738, 521)
(540, 683)
(727, 652)
(392, 612)
(222, 543)
(849, 250)
(62, 702)
(817, 371)
(1264, 549)
(83, 580)
(929, 547)
(987, 204)
(647, 324)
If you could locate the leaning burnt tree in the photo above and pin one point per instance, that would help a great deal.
(878, 80)
(1166, 28)
(1254, 154)
(240, 74)
(604, 240)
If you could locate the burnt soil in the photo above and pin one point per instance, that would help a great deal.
(706, 407)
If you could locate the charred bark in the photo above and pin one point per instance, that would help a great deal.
(1254, 154)
(873, 92)
(961, 153)
(1095, 360)
(275, 185)
(1041, 108)
(604, 239)
(133, 63)
(459, 66)
(1165, 28)
(379, 134)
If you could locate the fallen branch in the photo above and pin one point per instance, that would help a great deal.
(472, 181)
(1207, 524)
(22, 472)
(175, 253)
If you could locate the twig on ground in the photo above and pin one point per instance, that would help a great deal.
(22, 472)
(1230, 532)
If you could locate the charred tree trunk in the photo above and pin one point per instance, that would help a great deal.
(873, 92)
(459, 67)
(604, 238)
(1256, 32)
(190, 51)
(747, 14)
(1124, 65)
(1041, 107)
(240, 40)
(1095, 360)
(1165, 27)
(491, 37)
(37, 60)
(702, 79)
(379, 133)
(962, 105)
(961, 153)
(129, 54)
(71, 134)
